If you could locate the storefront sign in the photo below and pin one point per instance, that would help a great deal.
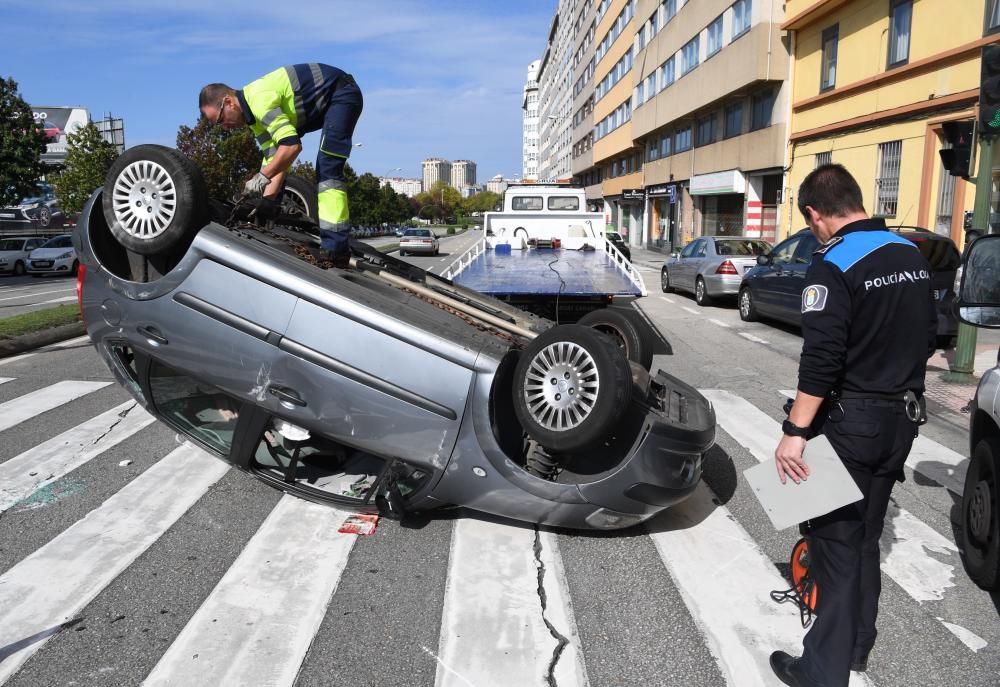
(717, 183)
(633, 194)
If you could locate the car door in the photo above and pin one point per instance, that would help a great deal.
(776, 280)
(791, 300)
(677, 266)
(689, 264)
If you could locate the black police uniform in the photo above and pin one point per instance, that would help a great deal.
(868, 327)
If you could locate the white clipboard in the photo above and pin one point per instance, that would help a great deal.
(829, 487)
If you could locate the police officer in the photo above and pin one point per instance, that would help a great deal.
(279, 108)
(868, 327)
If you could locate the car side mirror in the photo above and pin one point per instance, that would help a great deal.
(675, 255)
(979, 294)
(763, 260)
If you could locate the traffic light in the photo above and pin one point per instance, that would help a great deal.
(989, 90)
(956, 159)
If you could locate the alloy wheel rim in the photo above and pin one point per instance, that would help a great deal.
(294, 203)
(980, 512)
(745, 303)
(561, 386)
(699, 289)
(144, 199)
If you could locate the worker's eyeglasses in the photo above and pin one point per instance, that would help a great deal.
(222, 109)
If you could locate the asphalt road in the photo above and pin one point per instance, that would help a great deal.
(24, 294)
(125, 556)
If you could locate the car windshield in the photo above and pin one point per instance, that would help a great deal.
(59, 242)
(11, 244)
(418, 232)
(745, 247)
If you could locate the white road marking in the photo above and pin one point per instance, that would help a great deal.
(257, 624)
(493, 613)
(4, 380)
(52, 585)
(906, 540)
(22, 475)
(719, 323)
(66, 299)
(970, 639)
(706, 551)
(47, 349)
(690, 310)
(668, 300)
(750, 337)
(18, 410)
(931, 459)
(37, 293)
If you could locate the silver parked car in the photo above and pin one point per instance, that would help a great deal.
(381, 387)
(418, 241)
(711, 266)
(14, 253)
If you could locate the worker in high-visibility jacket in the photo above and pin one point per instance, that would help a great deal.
(279, 108)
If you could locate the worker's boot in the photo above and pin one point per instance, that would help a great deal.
(341, 260)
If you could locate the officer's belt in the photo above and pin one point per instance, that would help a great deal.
(873, 396)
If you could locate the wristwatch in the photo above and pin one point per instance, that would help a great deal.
(791, 429)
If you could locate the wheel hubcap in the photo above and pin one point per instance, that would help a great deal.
(294, 204)
(745, 303)
(700, 289)
(144, 199)
(980, 512)
(561, 386)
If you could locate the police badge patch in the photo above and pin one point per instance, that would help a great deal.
(814, 298)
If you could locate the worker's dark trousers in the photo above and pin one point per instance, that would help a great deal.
(872, 440)
(334, 148)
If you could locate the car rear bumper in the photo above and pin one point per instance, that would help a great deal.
(417, 247)
(723, 284)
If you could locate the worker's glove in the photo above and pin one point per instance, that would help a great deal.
(255, 187)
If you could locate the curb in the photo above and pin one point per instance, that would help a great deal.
(27, 342)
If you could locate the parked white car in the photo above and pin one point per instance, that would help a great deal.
(14, 253)
(55, 256)
(418, 241)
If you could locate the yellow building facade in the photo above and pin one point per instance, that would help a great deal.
(872, 83)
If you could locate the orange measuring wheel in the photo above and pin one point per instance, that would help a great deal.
(804, 584)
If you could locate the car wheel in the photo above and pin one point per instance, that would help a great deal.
(748, 309)
(701, 296)
(75, 268)
(571, 386)
(622, 332)
(402, 253)
(665, 281)
(44, 216)
(155, 199)
(981, 516)
(18, 269)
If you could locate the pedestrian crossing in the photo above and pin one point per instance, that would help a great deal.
(506, 615)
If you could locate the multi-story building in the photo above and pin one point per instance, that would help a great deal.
(873, 82)
(529, 125)
(497, 184)
(463, 173)
(436, 169)
(407, 187)
(555, 95)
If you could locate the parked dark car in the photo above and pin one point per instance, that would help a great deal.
(773, 289)
(383, 387)
(620, 244)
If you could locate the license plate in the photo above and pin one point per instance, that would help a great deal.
(41, 263)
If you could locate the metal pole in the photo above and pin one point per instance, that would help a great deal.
(961, 368)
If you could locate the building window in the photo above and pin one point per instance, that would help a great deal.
(669, 10)
(715, 36)
(653, 151)
(682, 140)
(690, 55)
(667, 72)
(900, 15)
(666, 146)
(760, 115)
(706, 131)
(734, 120)
(946, 200)
(828, 75)
(741, 17)
(823, 159)
(992, 16)
(887, 182)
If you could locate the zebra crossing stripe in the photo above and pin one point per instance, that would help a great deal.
(494, 623)
(22, 408)
(4, 380)
(725, 580)
(43, 592)
(257, 624)
(906, 541)
(931, 459)
(22, 475)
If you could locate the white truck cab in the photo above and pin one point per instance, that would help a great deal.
(545, 212)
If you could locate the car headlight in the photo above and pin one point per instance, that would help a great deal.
(64, 256)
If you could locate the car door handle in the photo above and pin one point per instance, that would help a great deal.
(286, 395)
(152, 333)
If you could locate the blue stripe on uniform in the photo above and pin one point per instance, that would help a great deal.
(857, 245)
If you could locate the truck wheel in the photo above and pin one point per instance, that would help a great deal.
(299, 197)
(621, 330)
(571, 386)
(981, 516)
(154, 199)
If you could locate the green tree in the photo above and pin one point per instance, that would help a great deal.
(482, 202)
(21, 145)
(304, 169)
(226, 158)
(88, 159)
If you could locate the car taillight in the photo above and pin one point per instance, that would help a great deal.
(81, 270)
(727, 267)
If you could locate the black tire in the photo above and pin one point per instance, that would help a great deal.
(981, 516)
(665, 281)
(701, 296)
(299, 197)
(163, 184)
(557, 416)
(19, 268)
(748, 309)
(622, 332)
(75, 268)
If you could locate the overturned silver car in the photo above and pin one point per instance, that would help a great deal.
(380, 388)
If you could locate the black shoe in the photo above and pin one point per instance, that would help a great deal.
(860, 664)
(341, 260)
(786, 667)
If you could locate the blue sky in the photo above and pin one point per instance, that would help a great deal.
(440, 78)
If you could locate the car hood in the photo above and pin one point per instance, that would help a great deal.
(26, 202)
(48, 253)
